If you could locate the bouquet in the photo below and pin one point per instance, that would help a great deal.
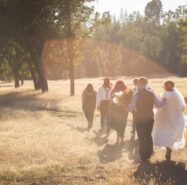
(122, 98)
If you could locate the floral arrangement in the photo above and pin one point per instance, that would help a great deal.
(122, 98)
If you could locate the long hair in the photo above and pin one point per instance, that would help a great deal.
(120, 86)
(106, 83)
(89, 88)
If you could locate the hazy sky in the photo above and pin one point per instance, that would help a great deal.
(114, 6)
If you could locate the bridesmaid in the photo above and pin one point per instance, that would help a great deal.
(103, 103)
(89, 104)
(119, 109)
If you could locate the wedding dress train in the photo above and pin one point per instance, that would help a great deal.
(169, 122)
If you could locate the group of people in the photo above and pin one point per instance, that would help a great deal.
(157, 120)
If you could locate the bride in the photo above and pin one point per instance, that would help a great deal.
(169, 123)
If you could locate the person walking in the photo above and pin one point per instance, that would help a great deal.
(121, 97)
(104, 96)
(89, 104)
(142, 105)
(168, 130)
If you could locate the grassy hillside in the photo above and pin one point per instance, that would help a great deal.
(43, 140)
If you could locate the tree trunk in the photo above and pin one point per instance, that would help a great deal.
(42, 76)
(71, 68)
(41, 82)
(36, 57)
(16, 78)
(72, 79)
(34, 77)
(22, 81)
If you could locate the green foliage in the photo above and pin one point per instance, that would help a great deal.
(183, 44)
(26, 26)
(5, 70)
(153, 12)
(29, 24)
(159, 36)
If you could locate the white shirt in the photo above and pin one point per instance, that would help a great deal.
(103, 94)
(135, 89)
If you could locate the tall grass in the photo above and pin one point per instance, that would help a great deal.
(43, 139)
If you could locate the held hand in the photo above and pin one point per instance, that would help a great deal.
(164, 99)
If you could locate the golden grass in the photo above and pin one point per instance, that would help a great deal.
(43, 140)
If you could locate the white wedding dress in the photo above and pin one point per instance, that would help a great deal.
(168, 130)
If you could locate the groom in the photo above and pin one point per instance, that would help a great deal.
(142, 104)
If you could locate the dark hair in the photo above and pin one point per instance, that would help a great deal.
(89, 88)
(169, 85)
(119, 86)
(106, 83)
(135, 81)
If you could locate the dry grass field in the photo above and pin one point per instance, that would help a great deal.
(43, 140)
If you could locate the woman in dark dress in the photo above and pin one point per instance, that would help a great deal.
(89, 104)
(119, 109)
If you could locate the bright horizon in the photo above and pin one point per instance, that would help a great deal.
(115, 6)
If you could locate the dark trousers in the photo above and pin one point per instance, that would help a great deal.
(89, 116)
(121, 129)
(133, 124)
(144, 129)
(104, 111)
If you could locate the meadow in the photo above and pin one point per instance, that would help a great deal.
(43, 140)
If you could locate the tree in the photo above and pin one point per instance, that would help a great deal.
(32, 23)
(183, 46)
(27, 23)
(74, 29)
(5, 71)
(153, 12)
(170, 53)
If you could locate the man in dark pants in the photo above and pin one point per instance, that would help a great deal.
(142, 105)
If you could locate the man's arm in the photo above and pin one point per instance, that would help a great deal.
(158, 103)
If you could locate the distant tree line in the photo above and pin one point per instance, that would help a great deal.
(132, 44)
(159, 36)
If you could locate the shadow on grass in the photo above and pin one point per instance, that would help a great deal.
(114, 152)
(24, 100)
(31, 101)
(100, 138)
(132, 148)
(162, 173)
(4, 85)
(110, 153)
